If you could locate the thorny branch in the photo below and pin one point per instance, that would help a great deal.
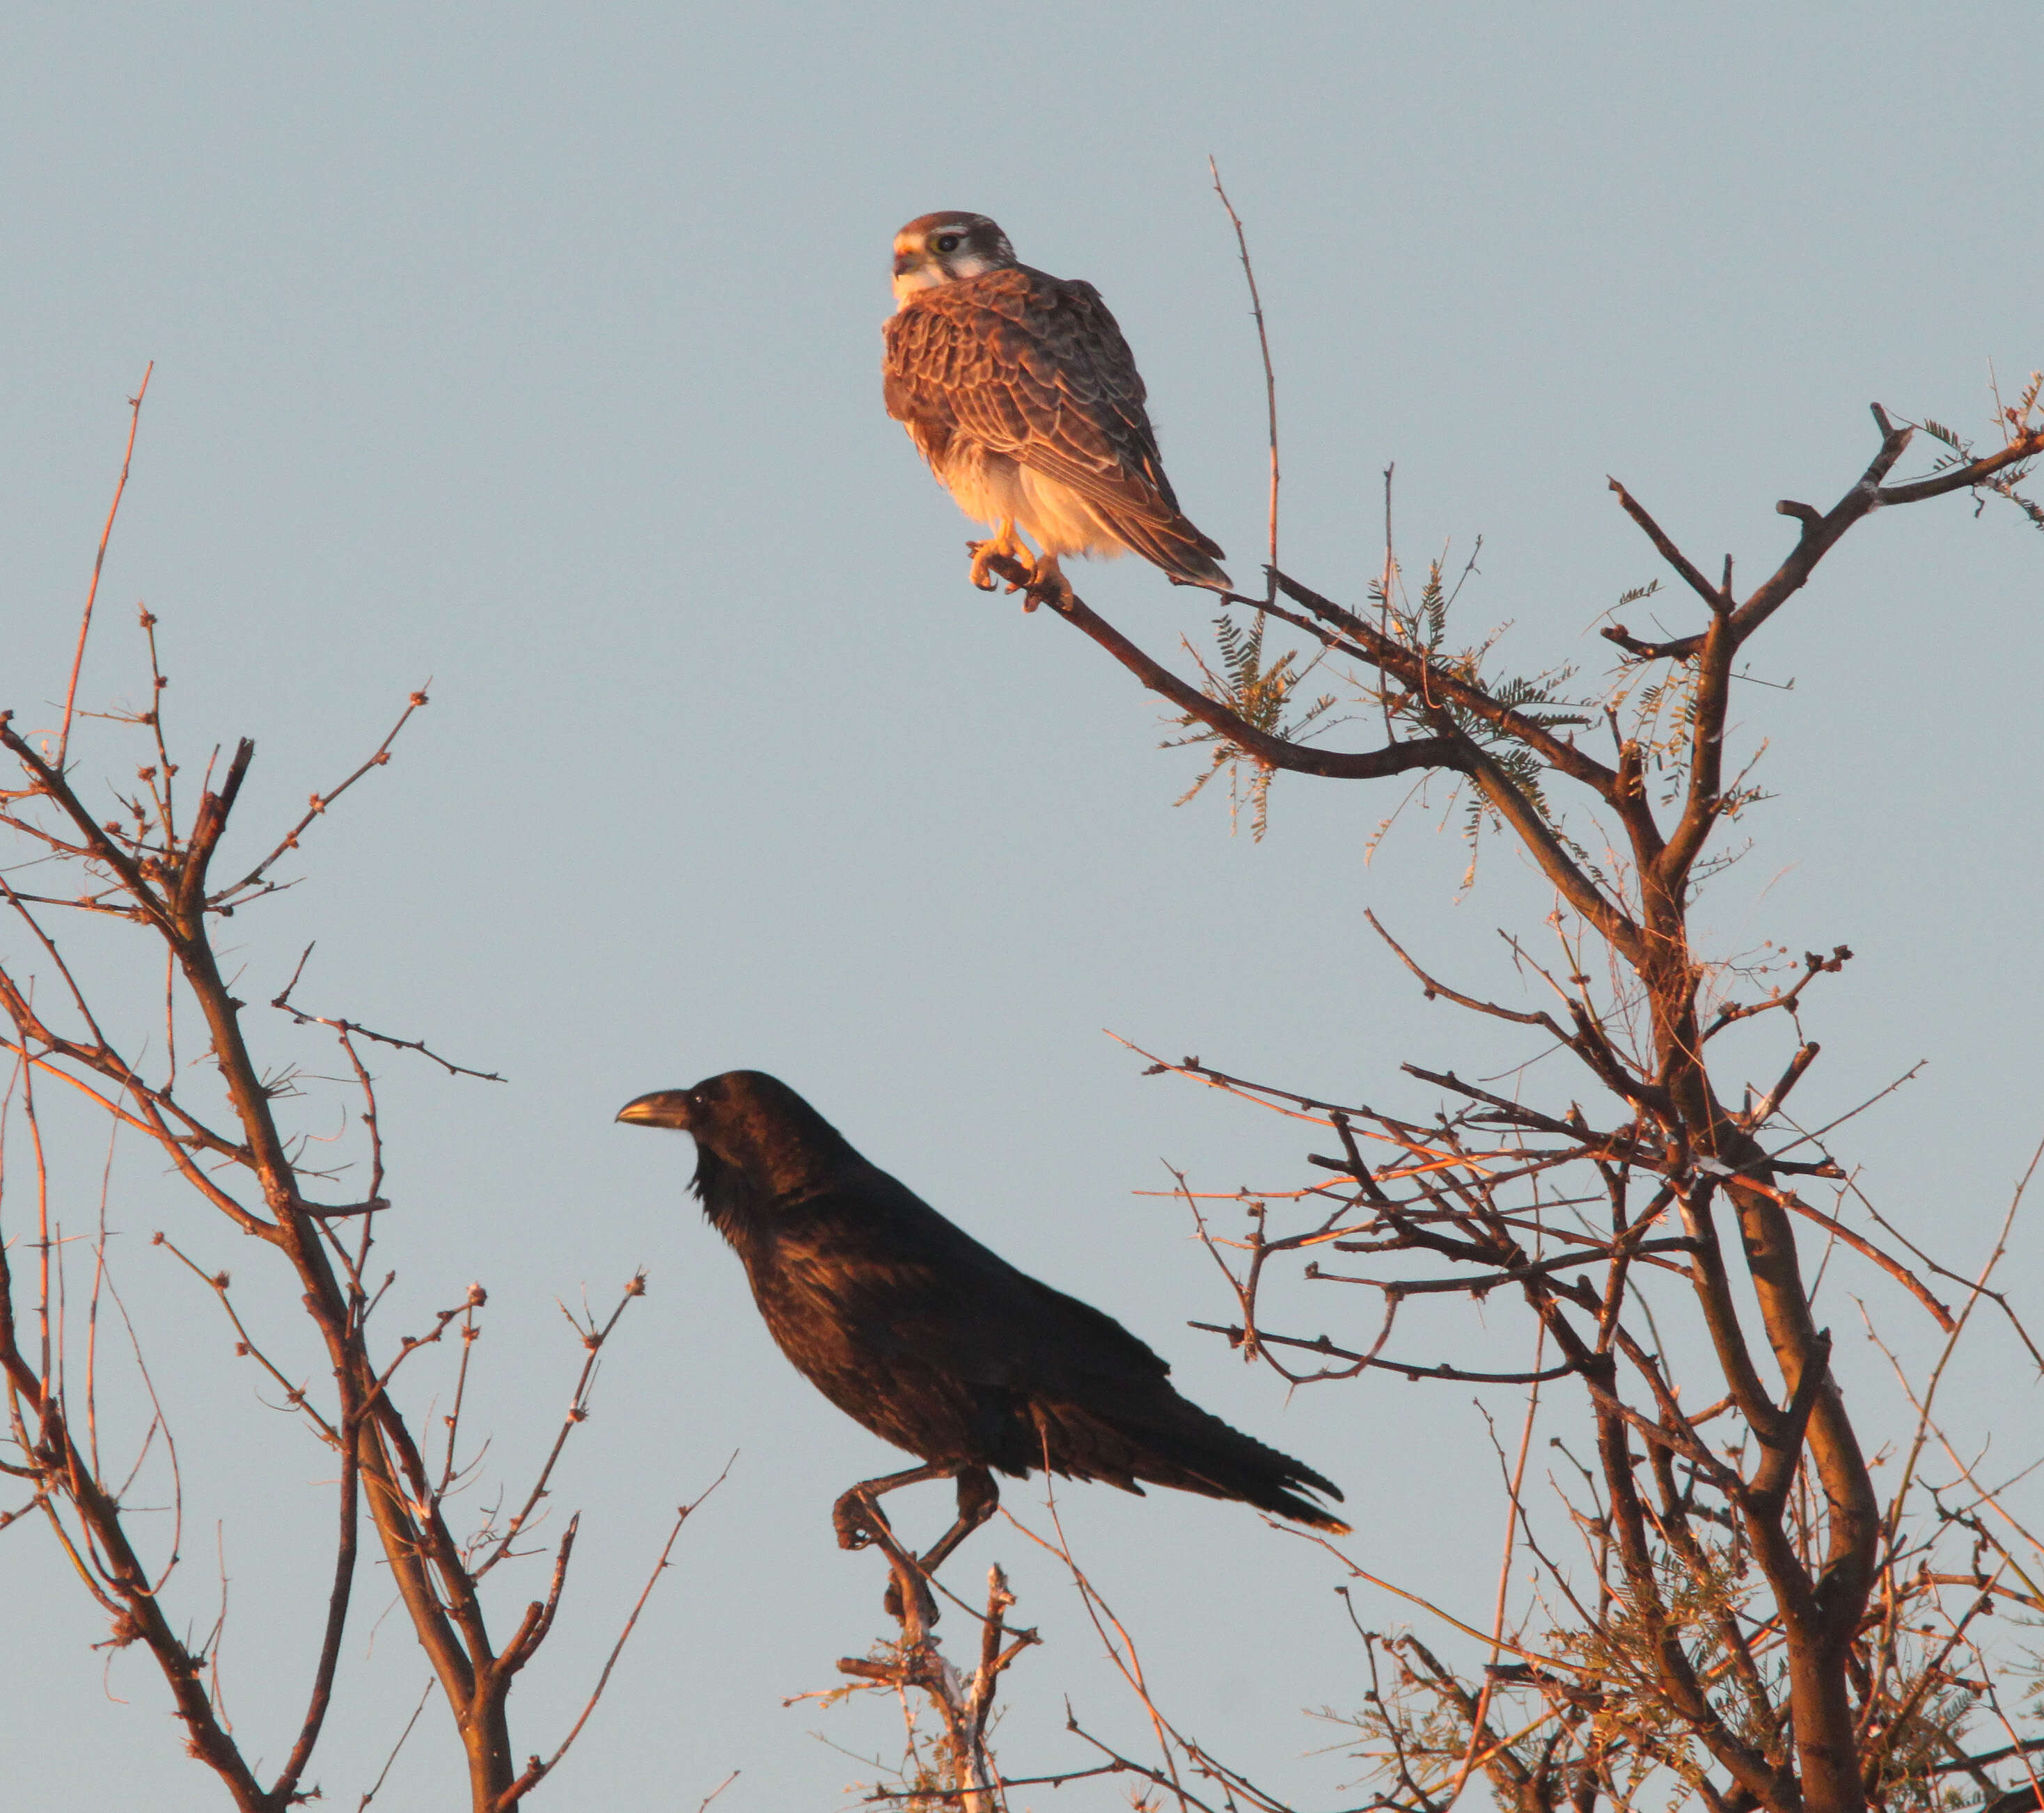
(967, 1775)
(1752, 1625)
(150, 865)
(99, 560)
(302, 1017)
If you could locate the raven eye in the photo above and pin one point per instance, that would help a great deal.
(946, 242)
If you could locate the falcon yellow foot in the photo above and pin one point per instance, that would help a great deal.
(1046, 581)
(1004, 543)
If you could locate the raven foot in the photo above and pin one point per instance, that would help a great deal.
(858, 1520)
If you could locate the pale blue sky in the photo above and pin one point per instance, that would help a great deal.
(535, 350)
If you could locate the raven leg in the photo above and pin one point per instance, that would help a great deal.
(855, 1514)
(858, 1519)
(978, 1498)
(977, 1501)
(857, 1510)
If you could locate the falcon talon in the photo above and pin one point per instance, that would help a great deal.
(1018, 389)
(1047, 584)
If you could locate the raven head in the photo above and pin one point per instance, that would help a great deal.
(746, 1122)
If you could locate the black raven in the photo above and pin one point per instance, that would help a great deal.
(913, 1329)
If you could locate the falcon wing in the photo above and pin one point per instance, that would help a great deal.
(1036, 367)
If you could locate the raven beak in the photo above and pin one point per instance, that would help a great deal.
(664, 1107)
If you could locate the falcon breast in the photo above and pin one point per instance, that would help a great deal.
(1018, 389)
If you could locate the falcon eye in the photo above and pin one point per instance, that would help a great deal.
(947, 242)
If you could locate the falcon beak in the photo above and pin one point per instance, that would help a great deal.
(664, 1107)
(905, 262)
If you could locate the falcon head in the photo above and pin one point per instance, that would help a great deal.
(946, 248)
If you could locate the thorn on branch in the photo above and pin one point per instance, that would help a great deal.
(1680, 649)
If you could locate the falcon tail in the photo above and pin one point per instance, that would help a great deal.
(1186, 557)
(1192, 568)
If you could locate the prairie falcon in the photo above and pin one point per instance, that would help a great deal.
(1018, 389)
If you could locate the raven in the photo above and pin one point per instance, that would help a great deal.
(921, 1334)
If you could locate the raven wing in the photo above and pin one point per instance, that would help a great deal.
(901, 1281)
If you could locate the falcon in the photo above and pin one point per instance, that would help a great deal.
(1018, 389)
